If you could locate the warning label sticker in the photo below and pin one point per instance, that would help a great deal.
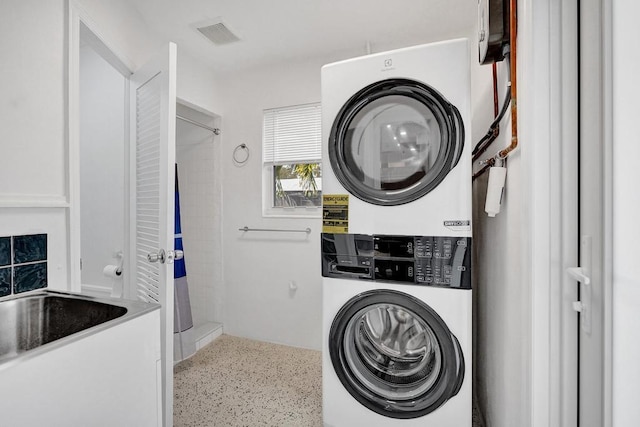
(335, 213)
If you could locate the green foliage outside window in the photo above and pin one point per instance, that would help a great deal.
(307, 193)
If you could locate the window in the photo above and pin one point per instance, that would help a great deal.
(292, 169)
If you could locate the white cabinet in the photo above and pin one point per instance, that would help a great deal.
(111, 378)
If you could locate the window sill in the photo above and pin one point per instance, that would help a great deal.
(315, 212)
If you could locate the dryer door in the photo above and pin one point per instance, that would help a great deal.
(395, 141)
(395, 355)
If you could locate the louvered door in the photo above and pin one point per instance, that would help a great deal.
(153, 103)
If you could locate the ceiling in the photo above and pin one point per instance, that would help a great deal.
(273, 31)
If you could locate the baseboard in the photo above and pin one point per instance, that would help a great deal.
(206, 333)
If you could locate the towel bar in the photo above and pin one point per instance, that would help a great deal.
(245, 228)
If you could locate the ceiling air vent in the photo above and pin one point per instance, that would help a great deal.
(218, 33)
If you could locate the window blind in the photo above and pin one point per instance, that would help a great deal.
(292, 134)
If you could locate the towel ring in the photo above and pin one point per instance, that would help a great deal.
(241, 154)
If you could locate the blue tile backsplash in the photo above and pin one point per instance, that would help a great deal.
(29, 277)
(5, 251)
(5, 281)
(29, 248)
(23, 263)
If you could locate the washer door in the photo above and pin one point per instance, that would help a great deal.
(395, 355)
(395, 141)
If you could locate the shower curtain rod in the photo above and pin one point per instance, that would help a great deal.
(216, 131)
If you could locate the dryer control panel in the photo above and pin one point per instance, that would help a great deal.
(421, 260)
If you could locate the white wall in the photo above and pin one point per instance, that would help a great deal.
(32, 126)
(626, 211)
(102, 173)
(260, 266)
(197, 85)
(500, 312)
(32, 130)
(122, 29)
(501, 338)
(199, 165)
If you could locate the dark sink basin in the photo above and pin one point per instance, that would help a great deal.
(32, 321)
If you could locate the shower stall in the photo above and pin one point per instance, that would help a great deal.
(198, 164)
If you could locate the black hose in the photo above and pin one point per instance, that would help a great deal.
(493, 131)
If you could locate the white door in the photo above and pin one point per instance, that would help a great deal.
(592, 208)
(584, 210)
(153, 113)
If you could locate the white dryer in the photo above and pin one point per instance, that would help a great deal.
(396, 135)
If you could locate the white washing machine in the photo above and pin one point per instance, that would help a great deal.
(395, 128)
(397, 342)
(396, 241)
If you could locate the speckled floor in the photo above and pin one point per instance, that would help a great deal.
(240, 382)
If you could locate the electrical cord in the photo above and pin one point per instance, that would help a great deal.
(494, 128)
(493, 131)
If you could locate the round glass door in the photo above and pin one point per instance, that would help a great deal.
(394, 141)
(395, 355)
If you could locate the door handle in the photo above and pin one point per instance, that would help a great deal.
(160, 256)
(165, 257)
(579, 274)
(583, 276)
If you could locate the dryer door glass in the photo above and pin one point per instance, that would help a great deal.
(395, 141)
(395, 355)
(392, 143)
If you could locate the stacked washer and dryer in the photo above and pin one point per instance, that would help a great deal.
(396, 255)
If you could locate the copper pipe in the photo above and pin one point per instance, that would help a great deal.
(513, 27)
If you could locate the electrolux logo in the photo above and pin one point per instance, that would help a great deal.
(388, 65)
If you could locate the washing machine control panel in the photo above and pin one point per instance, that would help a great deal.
(421, 260)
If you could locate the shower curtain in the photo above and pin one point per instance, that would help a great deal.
(182, 305)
